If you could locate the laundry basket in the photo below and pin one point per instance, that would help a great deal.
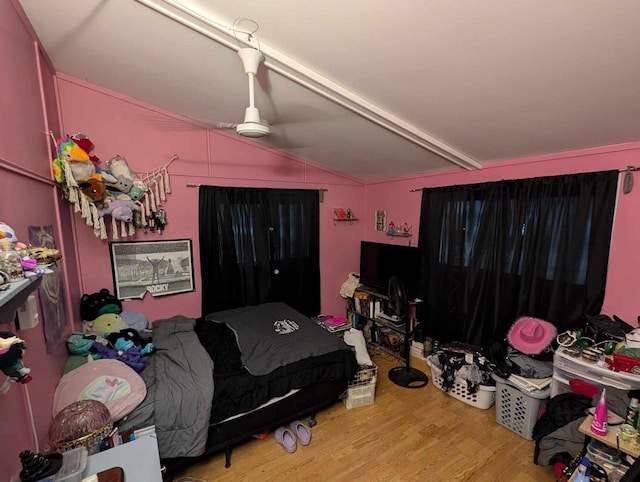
(518, 410)
(483, 398)
(361, 390)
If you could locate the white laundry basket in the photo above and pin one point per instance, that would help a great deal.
(483, 398)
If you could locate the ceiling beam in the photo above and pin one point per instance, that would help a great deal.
(218, 30)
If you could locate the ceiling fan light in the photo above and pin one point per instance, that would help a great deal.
(252, 129)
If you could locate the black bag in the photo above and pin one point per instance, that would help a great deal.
(602, 328)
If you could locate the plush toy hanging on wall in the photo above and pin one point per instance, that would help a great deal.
(132, 200)
(11, 348)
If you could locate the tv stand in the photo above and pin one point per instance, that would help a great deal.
(367, 307)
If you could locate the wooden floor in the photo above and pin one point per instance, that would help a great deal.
(407, 434)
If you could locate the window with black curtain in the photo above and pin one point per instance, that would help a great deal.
(259, 245)
(492, 252)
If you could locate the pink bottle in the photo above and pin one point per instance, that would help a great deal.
(599, 424)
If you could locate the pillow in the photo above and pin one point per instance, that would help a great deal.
(108, 381)
(135, 320)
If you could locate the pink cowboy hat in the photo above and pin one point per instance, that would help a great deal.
(531, 335)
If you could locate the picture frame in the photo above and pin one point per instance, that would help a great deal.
(161, 268)
(381, 220)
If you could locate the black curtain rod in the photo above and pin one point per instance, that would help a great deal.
(194, 184)
(628, 168)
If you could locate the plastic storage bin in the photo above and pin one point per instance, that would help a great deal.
(484, 398)
(567, 367)
(361, 390)
(518, 410)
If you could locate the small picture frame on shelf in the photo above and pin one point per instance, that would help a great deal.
(381, 220)
(340, 213)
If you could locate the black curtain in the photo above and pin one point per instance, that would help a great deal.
(259, 245)
(495, 251)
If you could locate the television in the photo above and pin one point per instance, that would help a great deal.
(380, 261)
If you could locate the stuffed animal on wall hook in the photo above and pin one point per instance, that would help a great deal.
(11, 348)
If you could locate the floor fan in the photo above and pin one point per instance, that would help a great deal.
(405, 376)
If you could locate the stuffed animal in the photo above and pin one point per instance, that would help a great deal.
(7, 231)
(120, 169)
(131, 357)
(80, 344)
(86, 145)
(11, 348)
(105, 324)
(127, 334)
(93, 188)
(124, 344)
(98, 303)
(119, 209)
(78, 160)
(128, 180)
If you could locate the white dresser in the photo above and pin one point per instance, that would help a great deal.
(567, 367)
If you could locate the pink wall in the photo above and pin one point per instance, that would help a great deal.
(27, 197)
(117, 124)
(623, 278)
(148, 137)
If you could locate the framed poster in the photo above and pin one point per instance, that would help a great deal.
(381, 220)
(157, 267)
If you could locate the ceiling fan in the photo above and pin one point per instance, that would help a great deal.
(252, 125)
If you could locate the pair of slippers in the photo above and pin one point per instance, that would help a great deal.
(288, 437)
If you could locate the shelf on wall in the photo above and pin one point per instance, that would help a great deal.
(401, 235)
(16, 296)
(350, 220)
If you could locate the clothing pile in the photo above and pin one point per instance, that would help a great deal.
(464, 363)
(530, 353)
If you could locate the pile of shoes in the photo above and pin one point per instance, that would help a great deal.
(288, 437)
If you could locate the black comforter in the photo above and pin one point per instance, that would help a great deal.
(237, 391)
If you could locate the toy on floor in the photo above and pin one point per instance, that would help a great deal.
(125, 349)
(105, 324)
(11, 348)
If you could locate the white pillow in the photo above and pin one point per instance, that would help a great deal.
(356, 339)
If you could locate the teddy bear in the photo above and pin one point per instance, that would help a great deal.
(11, 348)
(98, 303)
(119, 209)
(93, 188)
(105, 324)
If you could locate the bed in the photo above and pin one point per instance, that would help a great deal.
(218, 380)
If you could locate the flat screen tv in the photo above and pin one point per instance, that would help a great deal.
(380, 261)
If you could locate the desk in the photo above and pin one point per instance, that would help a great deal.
(139, 459)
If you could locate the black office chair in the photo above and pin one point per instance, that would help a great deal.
(405, 376)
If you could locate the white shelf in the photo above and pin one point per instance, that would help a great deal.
(16, 296)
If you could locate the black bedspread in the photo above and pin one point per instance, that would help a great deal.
(237, 391)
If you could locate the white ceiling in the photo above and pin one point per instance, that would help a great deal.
(485, 80)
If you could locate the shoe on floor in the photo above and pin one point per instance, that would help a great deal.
(285, 437)
(302, 432)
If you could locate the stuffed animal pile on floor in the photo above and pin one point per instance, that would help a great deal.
(106, 333)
